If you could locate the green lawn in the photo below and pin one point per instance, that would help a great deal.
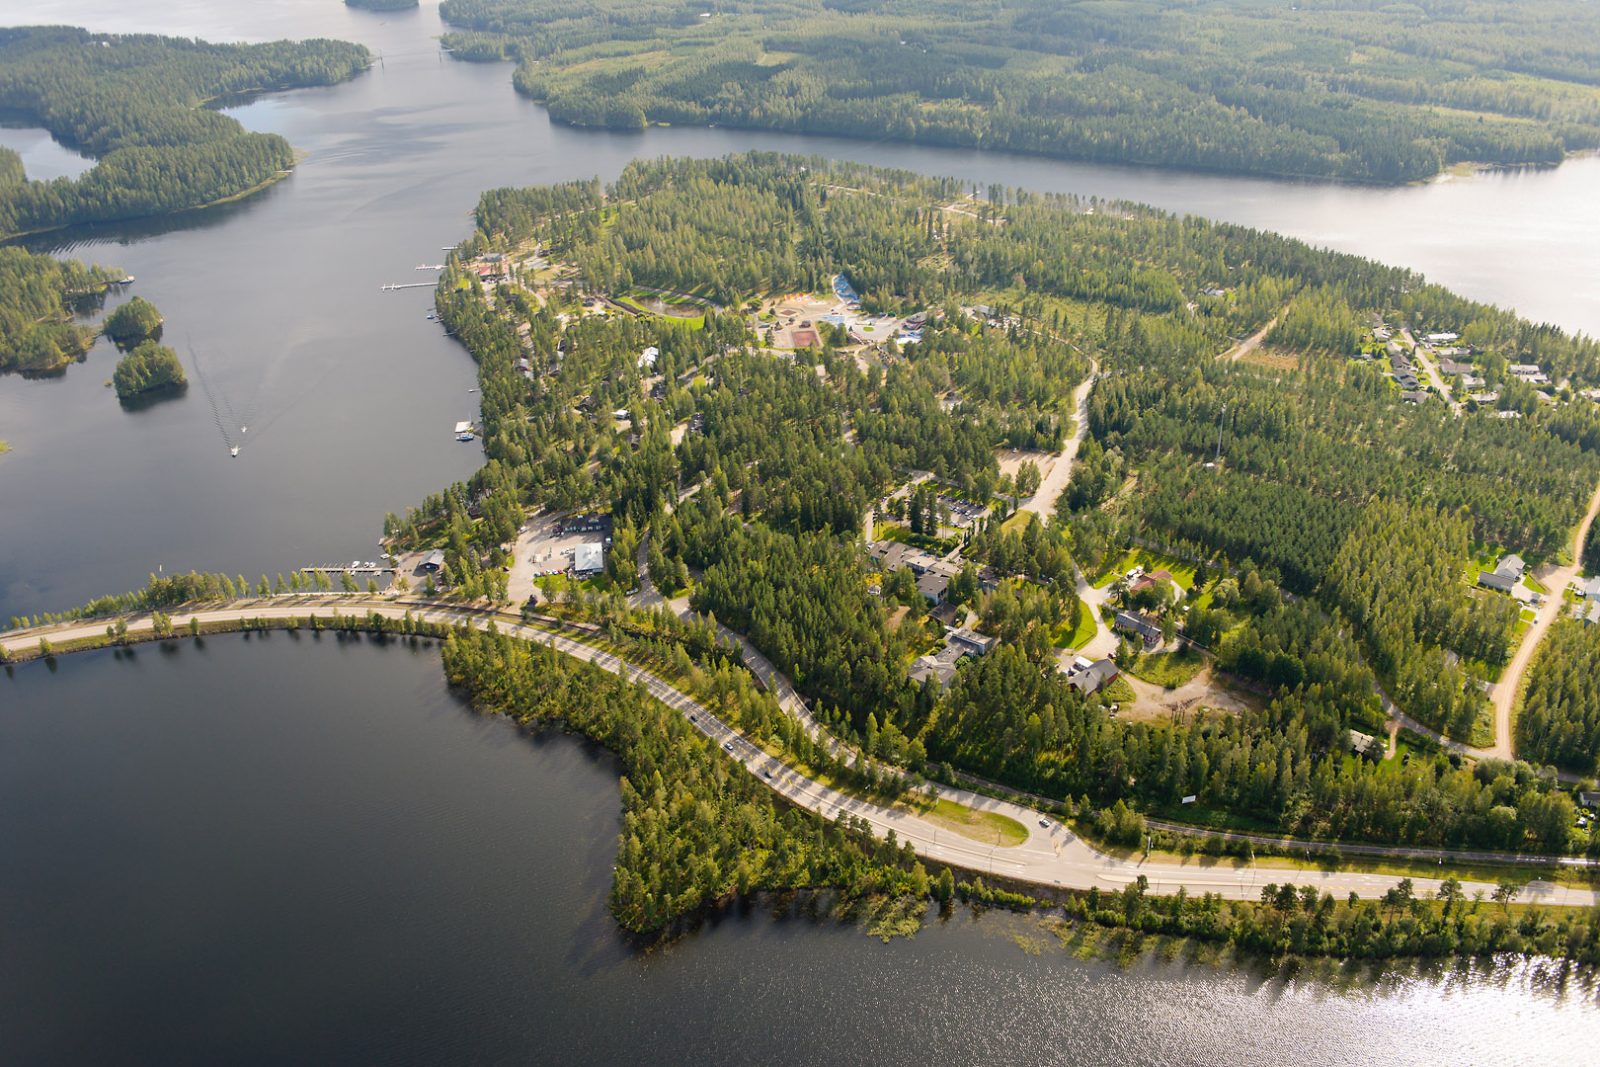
(1120, 692)
(1182, 571)
(985, 827)
(1077, 632)
(894, 531)
(1168, 669)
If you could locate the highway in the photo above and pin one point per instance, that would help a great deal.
(1051, 856)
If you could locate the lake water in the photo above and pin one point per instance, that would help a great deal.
(305, 850)
(343, 397)
(43, 157)
(288, 850)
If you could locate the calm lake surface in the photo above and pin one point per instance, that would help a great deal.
(302, 850)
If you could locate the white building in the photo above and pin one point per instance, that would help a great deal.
(588, 559)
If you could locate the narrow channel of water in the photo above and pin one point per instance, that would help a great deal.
(43, 157)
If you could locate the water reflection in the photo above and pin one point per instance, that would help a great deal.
(293, 848)
(43, 157)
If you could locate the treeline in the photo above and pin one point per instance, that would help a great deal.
(1289, 920)
(1347, 90)
(38, 298)
(1559, 719)
(137, 103)
(696, 828)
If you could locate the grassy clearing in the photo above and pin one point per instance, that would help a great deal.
(1168, 669)
(1182, 570)
(1077, 632)
(1120, 692)
(986, 827)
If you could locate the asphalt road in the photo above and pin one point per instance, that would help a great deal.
(1051, 855)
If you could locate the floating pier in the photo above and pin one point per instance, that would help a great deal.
(408, 285)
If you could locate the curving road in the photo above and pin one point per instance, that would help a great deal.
(1043, 502)
(1051, 856)
(1505, 690)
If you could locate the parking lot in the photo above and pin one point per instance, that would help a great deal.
(962, 513)
(545, 545)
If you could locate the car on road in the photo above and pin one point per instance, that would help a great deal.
(694, 718)
(727, 746)
(1045, 823)
(767, 772)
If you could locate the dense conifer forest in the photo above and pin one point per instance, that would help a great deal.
(139, 105)
(1328, 572)
(1345, 89)
(1559, 719)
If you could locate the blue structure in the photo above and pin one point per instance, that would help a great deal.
(842, 289)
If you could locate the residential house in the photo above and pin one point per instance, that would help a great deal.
(972, 642)
(1511, 566)
(1093, 678)
(933, 586)
(1496, 581)
(1142, 626)
(1361, 743)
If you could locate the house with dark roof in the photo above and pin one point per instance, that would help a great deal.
(1131, 622)
(933, 586)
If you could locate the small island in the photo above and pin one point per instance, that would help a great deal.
(382, 5)
(39, 298)
(148, 372)
(133, 323)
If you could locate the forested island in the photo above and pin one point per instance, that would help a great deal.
(133, 323)
(38, 298)
(150, 370)
(138, 105)
(382, 5)
(746, 454)
(1342, 89)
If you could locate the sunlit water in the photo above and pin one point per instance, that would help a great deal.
(302, 850)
